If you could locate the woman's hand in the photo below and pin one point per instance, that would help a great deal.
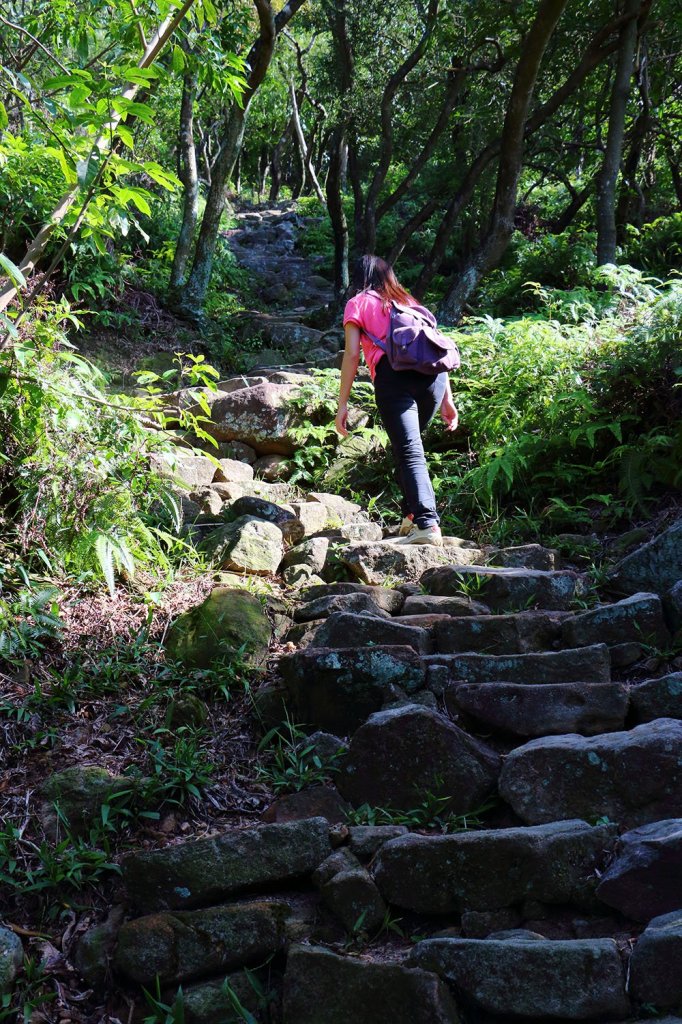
(341, 421)
(449, 414)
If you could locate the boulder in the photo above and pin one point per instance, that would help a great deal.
(247, 545)
(189, 944)
(506, 590)
(350, 893)
(232, 471)
(321, 986)
(376, 563)
(360, 533)
(94, 949)
(545, 710)
(658, 698)
(632, 777)
(262, 416)
(346, 629)
(345, 510)
(430, 604)
(672, 603)
(79, 792)
(208, 1002)
(656, 566)
(311, 552)
(525, 556)
(533, 978)
(228, 620)
(586, 665)
(11, 959)
(637, 619)
(322, 607)
(365, 840)
(273, 468)
(655, 975)
(522, 633)
(259, 508)
(315, 802)
(400, 754)
(189, 471)
(236, 450)
(315, 517)
(338, 689)
(206, 871)
(644, 879)
(390, 601)
(490, 869)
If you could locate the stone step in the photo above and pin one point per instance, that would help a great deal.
(401, 754)
(655, 965)
(644, 879)
(637, 619)
(520, 633)
(506, 590)
(583, 665)
(658, 698)
(321, 987)
(207, 871)
(384, 561)
(632, 777)
(431, 604)
(338, 689)
(527, 976)
(492, 869)
(186, 945)
(550, 709)
(346, 629)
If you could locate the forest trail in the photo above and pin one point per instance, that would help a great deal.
(484, 790)
(294, 315)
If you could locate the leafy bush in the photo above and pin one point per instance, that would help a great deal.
(76, 490)
(657, 246)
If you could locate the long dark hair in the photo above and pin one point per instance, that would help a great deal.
(375, 273)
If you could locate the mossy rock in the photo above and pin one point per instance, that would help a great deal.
(225, 622)
(80, 792)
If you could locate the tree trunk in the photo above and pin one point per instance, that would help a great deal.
(188, 174)
(576, 204)
(302, 148)
(608, 176)
(602, 44)
(260, 55)
(631, 203)
(276, 169)
(511, 157)
(193, 293)
(337, 215)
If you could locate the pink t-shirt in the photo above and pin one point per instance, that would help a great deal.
(368, 311)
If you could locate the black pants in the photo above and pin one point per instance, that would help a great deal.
(407, 402)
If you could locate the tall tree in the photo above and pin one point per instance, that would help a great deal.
(608, 176)
(511, 158)
(270, 25)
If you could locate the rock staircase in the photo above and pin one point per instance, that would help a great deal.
(483, 685)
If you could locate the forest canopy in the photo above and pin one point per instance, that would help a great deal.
(430, 132)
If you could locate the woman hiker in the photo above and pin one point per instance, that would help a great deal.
(407, 400)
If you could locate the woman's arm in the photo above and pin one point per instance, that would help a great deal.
(349, 367)
(448, 409)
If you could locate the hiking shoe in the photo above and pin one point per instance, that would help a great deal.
(431, 535)
(406, 526)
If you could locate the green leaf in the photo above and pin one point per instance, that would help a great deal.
(12, 271)
(4, 120)
(126, 136)
(178, 59)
